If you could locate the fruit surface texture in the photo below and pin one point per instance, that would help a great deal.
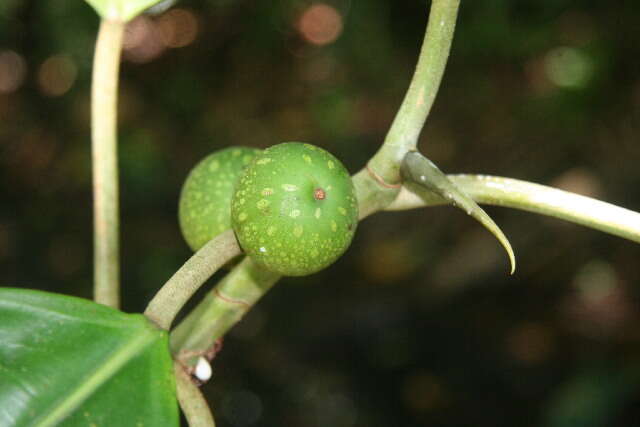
(205, 199)
(294, 210)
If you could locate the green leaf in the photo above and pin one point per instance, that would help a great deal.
(68, 360)
(122, 10)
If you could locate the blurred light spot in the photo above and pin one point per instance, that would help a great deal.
(335, 409)
(178, 28)
(465, 261)
(596, 281)
(529, 343)
(66, 256)
(568, 67)
(241, 408)
(142, 42)
(388, 261)
(580, 181)
(600, 306)
(422, 392)
(320, 68)
(57, 74)
(320, 24)
(34, 154)
(12, 71)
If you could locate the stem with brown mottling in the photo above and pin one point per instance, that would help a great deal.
(222, 308)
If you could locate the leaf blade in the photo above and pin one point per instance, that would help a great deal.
(63, 357)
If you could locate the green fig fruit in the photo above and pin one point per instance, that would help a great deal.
(205, 199)
(294, 210)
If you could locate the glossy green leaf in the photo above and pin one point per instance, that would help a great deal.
(123, 10)
(69, 361)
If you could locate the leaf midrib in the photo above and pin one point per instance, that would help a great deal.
(111, 365)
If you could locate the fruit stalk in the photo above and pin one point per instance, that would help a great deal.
(166, 304)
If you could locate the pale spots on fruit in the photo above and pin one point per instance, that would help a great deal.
(206, 195)
(242, 216)
(263, 249)
(264, 161)
(262, 204)
(302, 229)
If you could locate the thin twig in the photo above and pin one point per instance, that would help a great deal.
(193, 404)
(527, 196)
(104, 100)
(410, 118)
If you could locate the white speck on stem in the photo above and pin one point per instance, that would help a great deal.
(203, 370)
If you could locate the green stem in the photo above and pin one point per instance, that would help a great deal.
(104, 100)
(166, 304)
(222, 308)
(193, 404)
(513, 193)
(377, 185)
(407, 125)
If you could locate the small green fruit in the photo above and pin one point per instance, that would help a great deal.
(203, 211)
(294, 210)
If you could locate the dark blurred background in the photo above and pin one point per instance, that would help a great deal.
(419, 324)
